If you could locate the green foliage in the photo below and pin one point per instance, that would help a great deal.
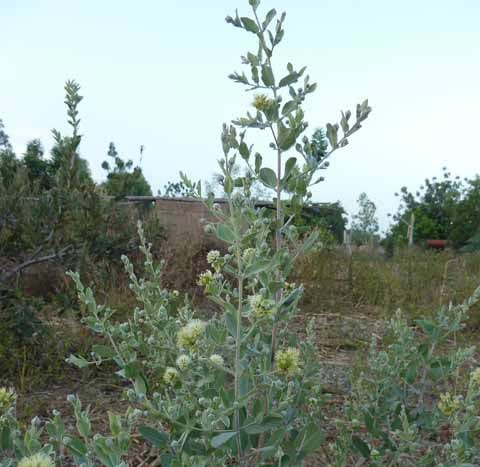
(48, 443)
(238, 388)
(4, 140)
(446, 208)
(122, 180)
(364, 223)
(329, 217)
(51, 212)
(175, 190)
(39, 170)
(395, 409)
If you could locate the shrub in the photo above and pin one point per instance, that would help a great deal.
(238, 387)
(411, 404)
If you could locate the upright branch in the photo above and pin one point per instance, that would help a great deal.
(286, 124)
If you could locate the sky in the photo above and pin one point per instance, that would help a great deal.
(154, 73)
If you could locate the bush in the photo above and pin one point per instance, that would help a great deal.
(238, 387)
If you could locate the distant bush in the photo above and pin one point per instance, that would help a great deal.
(53, 214)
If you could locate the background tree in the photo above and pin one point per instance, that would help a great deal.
(51, 211)
(447, 208)
(39, 170)
(175, 190)
(122, 180)
(365, 222)
(4, 140)
(8, 161)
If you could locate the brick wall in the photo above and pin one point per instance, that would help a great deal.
(183, 218)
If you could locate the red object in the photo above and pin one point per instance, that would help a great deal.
(437, 244)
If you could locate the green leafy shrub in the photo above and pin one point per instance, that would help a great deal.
(238, 387)
(410, 404)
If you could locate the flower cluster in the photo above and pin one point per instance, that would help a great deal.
(289, 287)
(183, 361)
(475, 377)
(262, 102)
(249, 255)
(7, 398)
(206, 278)
(217, 359)
(190, 334)
(170, 376)
(37, 460)
(210, 280)
(288, 361)
(262, 307)
(449, 404)
(215, 260)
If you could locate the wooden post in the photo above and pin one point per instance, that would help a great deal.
(347, 241)
(411, 225)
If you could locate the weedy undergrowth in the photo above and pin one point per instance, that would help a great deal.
(416, 401)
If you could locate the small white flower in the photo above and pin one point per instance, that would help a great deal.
(7, 398)
(212, 256)
(170, 375)
(37, 460)
(249, 255)
(183, 361)
(217, 359)
(189, 335)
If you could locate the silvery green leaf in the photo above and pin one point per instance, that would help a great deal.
(103, 351)
(79, 362)
(225, 233)
(244, 151)
(269, 423)
(267, 76)
(228, 184)
(258, 266)
(289, 165)
(289, 107)
(258, 162)
(222, 438)
(268, 19)
(159, 439)
(249, 24)
(268, 177)
(253, 59)
(289, 79)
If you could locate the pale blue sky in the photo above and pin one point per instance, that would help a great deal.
(154, 73)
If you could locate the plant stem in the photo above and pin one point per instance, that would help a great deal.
(278, 245)
(238, 343)
(278, 189)
(238, 337)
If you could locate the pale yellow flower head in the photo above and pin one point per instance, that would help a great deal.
(217, 359)
(449, 404)
(170, 376)
(183, 361)
(249, 255)
(262, 102)
(37, 460)
(261, 307)
(475, 376)
(190, 334)
(213, 256)
(288, 361)
(206, 278)
(7, 398)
